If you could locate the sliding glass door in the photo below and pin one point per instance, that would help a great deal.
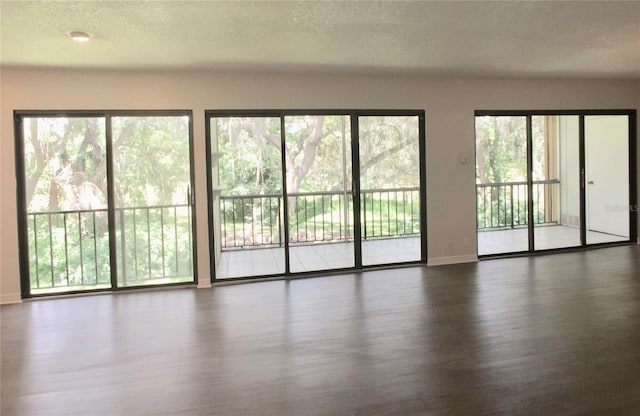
(390, 189)
(285, 198)
(152, 192)
(319, 194)
(246, 196)
(556, 181)
(105, 200)
(551, 180)
(65, 193)
(501, 184)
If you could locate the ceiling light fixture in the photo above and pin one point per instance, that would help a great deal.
(79, 36)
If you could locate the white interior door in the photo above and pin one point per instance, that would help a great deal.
(607, 175)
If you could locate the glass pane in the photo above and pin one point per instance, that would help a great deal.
(556, 181)
(247, 196)
(501, 184)
(66, 195)
(319, 190)
(390, 189)
(607, 178)
(152, 177)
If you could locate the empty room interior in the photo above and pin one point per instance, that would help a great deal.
(319, 208)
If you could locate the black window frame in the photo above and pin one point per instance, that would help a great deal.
(633, 178)
(354, 115)
(23, 239)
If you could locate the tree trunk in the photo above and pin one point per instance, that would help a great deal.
(32, 179)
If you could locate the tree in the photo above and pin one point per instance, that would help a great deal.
(317, 160)
(65, 163)
(65, 170)
(389, 152)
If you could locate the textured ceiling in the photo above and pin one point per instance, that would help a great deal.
(534, 38)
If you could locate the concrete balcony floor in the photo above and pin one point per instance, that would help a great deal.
(315, 257)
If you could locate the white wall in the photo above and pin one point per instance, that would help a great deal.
(449, 104)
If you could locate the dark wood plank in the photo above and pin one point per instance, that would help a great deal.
(547, 335)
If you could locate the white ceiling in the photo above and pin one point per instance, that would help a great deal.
(535, 38)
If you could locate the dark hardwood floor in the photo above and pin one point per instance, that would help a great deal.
(547, 335)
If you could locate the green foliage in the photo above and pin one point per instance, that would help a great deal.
(501, 157)
(390, 214)
(316, 149)
(319, 218)
(318, 162)
(66, 165)
(318, 167)
(501, 149)
(153, 243)
(389, 152)
(65, 168)
(250, 164)
(502, 206)
(151, 160)
(65, 251)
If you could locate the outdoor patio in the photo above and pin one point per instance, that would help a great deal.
(546, 237)
(312, 257)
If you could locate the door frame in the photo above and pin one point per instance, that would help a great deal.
(23, 238)
(355, 191)
(581, 114)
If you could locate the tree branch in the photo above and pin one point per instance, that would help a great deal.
(387, 152)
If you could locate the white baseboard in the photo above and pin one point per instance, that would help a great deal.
(9, 298)
(440, 261)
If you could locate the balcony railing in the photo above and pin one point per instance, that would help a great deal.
(315, 217)
(505, 205)
(71, 248)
